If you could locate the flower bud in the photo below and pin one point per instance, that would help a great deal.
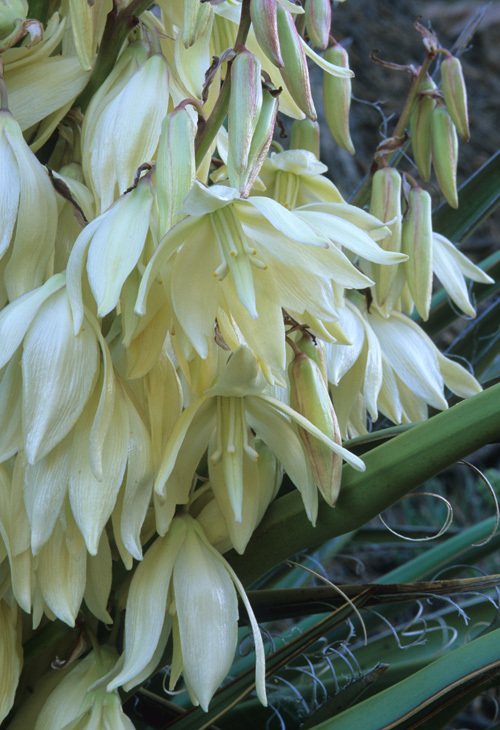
(244, 108)
(386, 205)
(265, 26)
(337, 98)
(314, 350)
(420, 128)
(295, 72)
(305, 136)
(175, 165)
(318, 21)
(261, 142)
(417, 243)
(196, 17)
(309, 397)
(455, 94)
(445, 153)
(85, 19)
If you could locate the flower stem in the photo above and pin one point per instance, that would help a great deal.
(362, 196)
(207, 131)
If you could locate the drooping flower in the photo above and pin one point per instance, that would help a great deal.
(184, 587)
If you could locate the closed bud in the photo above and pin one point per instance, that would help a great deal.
(245, 104)
(261, 142)
(309, 397)
(313, 349)
(417, 243)
(445, 153)
(337, 98)
(87, 23)
(420, 128)
(265, 26)
(196, 16)
(386, 205)
(455, 94)
(318, 21)
(175, 165)
(305, 136)
(295, 72)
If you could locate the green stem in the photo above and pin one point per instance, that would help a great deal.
(208, 130)
(362, 196)
(118, 25)
(392, 470)
(39, 10)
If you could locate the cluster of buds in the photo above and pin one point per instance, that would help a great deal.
(182, 322)
(435, 120)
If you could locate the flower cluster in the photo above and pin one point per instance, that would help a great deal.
(184, 318)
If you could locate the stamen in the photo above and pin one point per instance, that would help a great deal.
(250, 452)
(231, 448)
(217, 454)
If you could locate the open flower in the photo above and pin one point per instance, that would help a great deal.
(225, 419)
(251, 259)
(184, 587)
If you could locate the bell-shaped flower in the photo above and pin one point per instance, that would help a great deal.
(28, 211)
(395, 369)
(123, 128)
(451, 267)
(71, 704)
(59, 368)
(109, 248)
(225, 419)
(250, 258)
(185, 584)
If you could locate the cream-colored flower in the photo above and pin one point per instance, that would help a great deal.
(185, 584)
(250, 258)
(225, 419)
(28, 211)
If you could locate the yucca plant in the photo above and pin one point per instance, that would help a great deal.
(212, 362)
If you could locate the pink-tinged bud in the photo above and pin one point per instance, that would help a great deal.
(295, 72)
(245, 104)
(318, 21)
(420, 128)
(309, 397)
(261, 141)
(305, 136)
(196, 17)
(455, 94)
(417, 243)
(445, 153)
(386, 206)
(337, 99)
(265, 26)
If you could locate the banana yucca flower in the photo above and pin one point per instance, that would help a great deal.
(224, 419)
(395, 369)
(64, 700)
(186, 589)
(109, 248)
(123, 124)
(28, 212)
(251, 258)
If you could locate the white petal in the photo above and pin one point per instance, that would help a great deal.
(147, 605)
(17, 316)
(59, 372)
(285, 221)
(138, 482)
(412, 355)
(116, 247)
(92, 501)
(207, 610)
